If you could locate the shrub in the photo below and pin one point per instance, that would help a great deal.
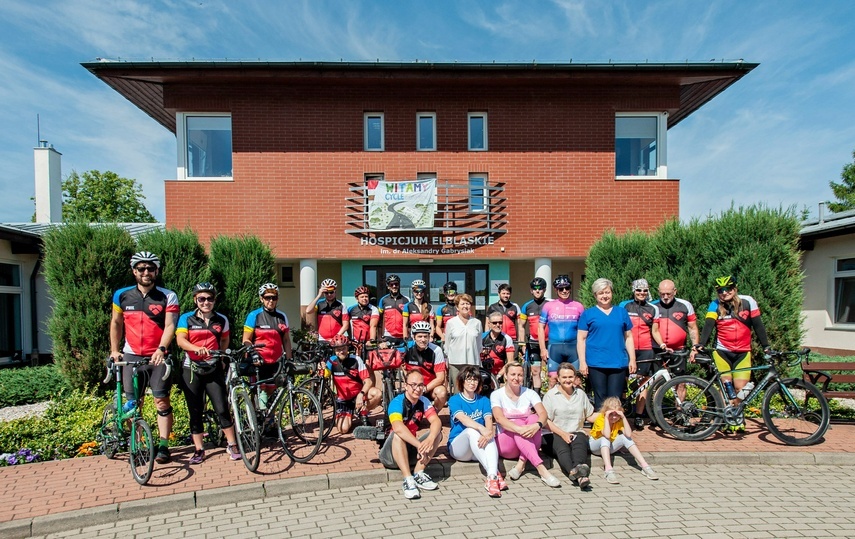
(238, 267)
(183, 261)
(84, 265)
(30, 385)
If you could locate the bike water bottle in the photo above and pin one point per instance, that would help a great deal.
(262, 400)
(728, 388)
(745, 391)
(129, 406)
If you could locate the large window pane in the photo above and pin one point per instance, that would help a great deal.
(635, 145)
(10, 275)
(10, 325)
(844, 295)
(477, 132)
(477, 193)
(426, 132)
(209, 146)
(374, 132)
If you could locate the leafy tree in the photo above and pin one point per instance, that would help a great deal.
(844, 191)
(103, 197)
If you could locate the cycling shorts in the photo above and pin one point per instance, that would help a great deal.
(532, 352)
(561, 352)
(345, 408)
(648, 367)
(729, 361)
(151, 375)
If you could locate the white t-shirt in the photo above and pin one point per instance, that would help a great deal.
(514, 410)
(463, 342)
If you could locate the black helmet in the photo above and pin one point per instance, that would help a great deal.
(561, 281)
(538, 283)
(449, 287)
(393, 279)
(204, 287)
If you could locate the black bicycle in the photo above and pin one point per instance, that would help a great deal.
(793, 409)
(318, 383)
(388, 361)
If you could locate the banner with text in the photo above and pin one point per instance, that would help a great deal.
(401, 205)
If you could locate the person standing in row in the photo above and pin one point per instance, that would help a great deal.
(328, 315)
(561, 318)
(463, 342)
(391, 308)
(448, 311)
(529, 320)
(508, 309)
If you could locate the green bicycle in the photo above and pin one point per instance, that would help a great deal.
(122, 425)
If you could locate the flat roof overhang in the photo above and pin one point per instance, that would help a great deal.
(142, 83)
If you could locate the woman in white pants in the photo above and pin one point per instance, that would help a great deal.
(472, 436)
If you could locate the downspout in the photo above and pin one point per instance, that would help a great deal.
(34, 317)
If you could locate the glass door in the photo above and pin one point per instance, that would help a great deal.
(470, 280)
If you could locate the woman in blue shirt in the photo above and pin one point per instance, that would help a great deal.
(605, 346)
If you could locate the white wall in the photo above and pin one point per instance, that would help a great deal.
(818, 306)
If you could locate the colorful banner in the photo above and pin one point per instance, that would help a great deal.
(401, 205)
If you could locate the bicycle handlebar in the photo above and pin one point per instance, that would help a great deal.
(145, 361)
(671, 359)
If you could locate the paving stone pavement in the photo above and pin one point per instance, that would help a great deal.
(718, 501)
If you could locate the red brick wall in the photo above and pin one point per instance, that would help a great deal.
(297, 148)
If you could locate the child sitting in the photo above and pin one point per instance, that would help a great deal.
(609, 433)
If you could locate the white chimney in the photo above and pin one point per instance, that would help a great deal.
(48, 173)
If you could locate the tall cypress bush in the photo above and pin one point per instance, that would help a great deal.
(183, 261)
(83, 266)
(239, 265)
(756, 244)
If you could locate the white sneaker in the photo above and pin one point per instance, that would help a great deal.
(411, 490)
(649, 473)
(424, 482)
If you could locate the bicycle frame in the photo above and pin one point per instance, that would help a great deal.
(662, 373)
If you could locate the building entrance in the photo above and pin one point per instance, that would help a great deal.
(470, 279)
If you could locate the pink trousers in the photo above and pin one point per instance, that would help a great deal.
(513, 446)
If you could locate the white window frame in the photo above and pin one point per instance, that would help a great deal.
(419, 116)
(382, 118)
(835, 275)
(181, 135)
(661, 144)
(469, 118)
(19, 291)
(485, 196)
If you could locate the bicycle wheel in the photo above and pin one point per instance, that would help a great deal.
(109, 434)
(796, 412)
(300, 424)
(247, 431)
(213, 433)
(696, 416)
(141, 454)
(648, 403)
(321, 388)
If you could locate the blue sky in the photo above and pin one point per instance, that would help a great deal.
(777, 136)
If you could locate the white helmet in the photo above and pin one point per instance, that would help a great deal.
(145, 256)
(268, 286)
(420, 327)
(329, 285)
(418, 284)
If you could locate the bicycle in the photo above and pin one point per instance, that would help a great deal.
(114, 435)
(793, 409)
(318, 384)
(388, 361)
(489, 381)
(654, 382)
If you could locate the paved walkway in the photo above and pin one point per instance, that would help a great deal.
(58, 492)
(689, 501)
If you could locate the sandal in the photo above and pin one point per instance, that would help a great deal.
(584, 482)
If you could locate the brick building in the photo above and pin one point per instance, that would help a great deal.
(528, 164)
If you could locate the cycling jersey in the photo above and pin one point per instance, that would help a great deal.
(530, 312)
(562, 320)
(446, 313)
(360, 321)
(401, 409)
(201, 332)
(499, 347)
(348, 375)
(332, 316)
(643, 316)
(413, 312)
(429, 362)
(733, 330)
(392, 308)
(510, 312)
(271, 329)
(144, 317)
(674, 322)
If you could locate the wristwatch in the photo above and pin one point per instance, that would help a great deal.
(540, 424)
(162, 349)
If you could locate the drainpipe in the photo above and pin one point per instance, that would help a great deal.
(34, 317)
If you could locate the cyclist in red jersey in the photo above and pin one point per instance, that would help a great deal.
(498, 346)
(677, 320)
(329, 314)
(268, 325)
(364, 317)
(391, 307)
(353, 386)
(509, 310)
(419, 309)
(448, 311)
(528, 328)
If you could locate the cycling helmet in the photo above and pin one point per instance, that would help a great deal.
(727, 280)
(338, 340)
(361, 290)
(561, 281)
(420, 327)
(204, 287)
(329, 285)
(538, 282)
(450, 286)
(268, 287)
(145, 256)
(393, 279)
(418, 284)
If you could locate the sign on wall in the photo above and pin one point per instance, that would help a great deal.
(401, 205)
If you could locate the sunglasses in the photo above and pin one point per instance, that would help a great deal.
(499, 323)
(537, 288)
(205, 299)
(724, 289)
(329, 292)
(270, 298)
(563, 288)
(143, 269)
(645, 290)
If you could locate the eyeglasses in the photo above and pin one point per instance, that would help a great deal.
(269, 298)
(416, 386)
(563, 288)
(537, 288)
(418, 291)
(645, 290)
(205, 299)
(724, 289)
(143, 269)
(472, 378)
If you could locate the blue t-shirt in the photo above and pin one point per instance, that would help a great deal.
(477, 410)
(605, 346)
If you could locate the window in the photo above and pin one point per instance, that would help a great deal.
(426, 131)
(640, 145)
(374, 138)
(205, 145)
(477, 131)
(10, 311)
(478, 200)
(844, 291)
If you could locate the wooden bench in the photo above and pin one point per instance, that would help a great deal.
(818, 374)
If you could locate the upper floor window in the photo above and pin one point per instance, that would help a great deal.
(373, 135)
(844, 291)
(477, 131)
(478, 201)
(640, 145)
(426, 131)
(204, 145)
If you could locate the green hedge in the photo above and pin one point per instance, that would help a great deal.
(756, 244)
(29, 385)
(183, 261)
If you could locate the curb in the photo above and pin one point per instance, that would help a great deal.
(112, 513)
